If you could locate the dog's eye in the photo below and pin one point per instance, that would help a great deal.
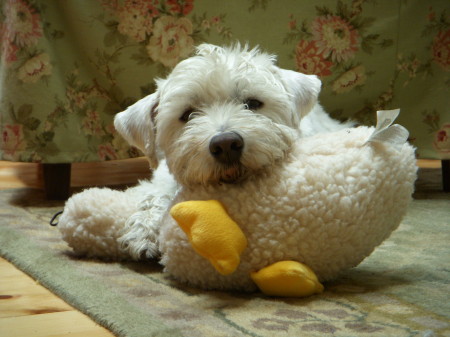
(186, 115)
(253, 104)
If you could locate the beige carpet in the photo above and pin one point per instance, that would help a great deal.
(402, 289)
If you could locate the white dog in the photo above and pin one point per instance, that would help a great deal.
(223, 116)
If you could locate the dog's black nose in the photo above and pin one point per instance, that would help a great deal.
(226, 147)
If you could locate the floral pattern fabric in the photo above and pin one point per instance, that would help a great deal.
(68, 67)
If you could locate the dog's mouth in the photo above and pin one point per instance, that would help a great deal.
(232, 174)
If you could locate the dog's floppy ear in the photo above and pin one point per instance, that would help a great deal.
(304, 89)
(136, 125)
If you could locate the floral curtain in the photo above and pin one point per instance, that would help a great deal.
(67, 67)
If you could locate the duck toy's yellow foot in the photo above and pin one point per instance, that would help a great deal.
(287, 279)
(212, 233)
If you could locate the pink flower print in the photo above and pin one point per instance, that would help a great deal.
(441, 49)
(110, 5)
(183, 7)
(292, 24)
(431, 14)
(23, 23)
(106, 152)
(215, 20)
(335, 38)
(7, 47)
(171, 40)
(76, 98)
(353, 78)
(310, 61)
(91, 124)
(136, 19)
(442, 139)
(13, 141)
(33, 69)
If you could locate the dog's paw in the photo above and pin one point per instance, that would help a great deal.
(140, 236)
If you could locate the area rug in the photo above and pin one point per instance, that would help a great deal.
(402, 289)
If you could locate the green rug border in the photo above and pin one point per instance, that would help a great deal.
(106, 308)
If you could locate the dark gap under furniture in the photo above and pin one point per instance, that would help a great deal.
(56, 181)
(446, 175)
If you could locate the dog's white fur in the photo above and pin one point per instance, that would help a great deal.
(215, 84)
(325, 199)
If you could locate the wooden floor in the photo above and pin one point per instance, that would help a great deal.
(26, 308)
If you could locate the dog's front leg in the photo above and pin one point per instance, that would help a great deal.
(140, 238)
(140, 235)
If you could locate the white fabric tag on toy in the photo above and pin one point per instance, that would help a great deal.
(385, 132)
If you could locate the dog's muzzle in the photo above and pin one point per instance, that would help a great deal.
(226, 147)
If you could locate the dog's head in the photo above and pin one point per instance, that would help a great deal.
(221, 115)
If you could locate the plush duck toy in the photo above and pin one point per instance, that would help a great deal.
(320, 213)
(216, 237)
(212, 233)
(323, 210)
